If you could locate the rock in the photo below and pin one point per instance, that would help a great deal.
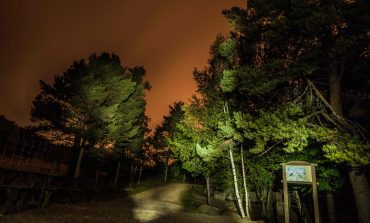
(230, 197)
(205, 209)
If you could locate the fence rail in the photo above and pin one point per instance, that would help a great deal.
(30, 154)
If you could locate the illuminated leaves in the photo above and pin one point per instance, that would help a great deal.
(208, 153)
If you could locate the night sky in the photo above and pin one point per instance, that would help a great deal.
(40, 39)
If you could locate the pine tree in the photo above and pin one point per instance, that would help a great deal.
(97, 105)
(275, 50)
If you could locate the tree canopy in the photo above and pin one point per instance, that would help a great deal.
(282, 85)
(95, 103)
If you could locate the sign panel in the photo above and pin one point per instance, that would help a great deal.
(298, 173)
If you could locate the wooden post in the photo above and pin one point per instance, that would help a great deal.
(293, 177)
(286, 201)
(314, 194)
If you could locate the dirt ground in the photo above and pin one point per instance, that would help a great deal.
(162, 204)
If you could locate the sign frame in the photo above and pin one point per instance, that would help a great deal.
(312, 180)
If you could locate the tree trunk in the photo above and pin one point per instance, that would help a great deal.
(78, 165)
(80, 156)
(360, 186)
(239, 201)
(208, 188)
(335, 90)
(361, 193)
(331, 207)
(141, 170)
(117, 174)
(246, 195)
(96, 177)
(133, 176)
(264, 201)
(165, 172)
(269, 211)
(77, 141)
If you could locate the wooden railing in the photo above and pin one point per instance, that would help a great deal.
(30, 154)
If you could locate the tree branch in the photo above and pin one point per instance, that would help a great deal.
(271, 147)
(317, 92)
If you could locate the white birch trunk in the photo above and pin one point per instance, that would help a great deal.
(239, 201)
(246, 195)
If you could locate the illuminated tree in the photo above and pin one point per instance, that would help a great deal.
(163, 132)
(194, 143)
(96, 104)
(276, 45)
(265, 68)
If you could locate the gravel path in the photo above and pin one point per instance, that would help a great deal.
(159, 205)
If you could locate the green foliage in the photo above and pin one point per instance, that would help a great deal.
(207, 153)
(344, 148)
(194, 143)
(227, 49)
(229, 81)
(329, 178)
(259, 177)
(287, 126)
(99, 103)
(260, 70)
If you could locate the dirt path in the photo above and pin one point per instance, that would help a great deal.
(158, 205)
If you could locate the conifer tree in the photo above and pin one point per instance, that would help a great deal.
(276, 46)
(96, 104)
(163, 132)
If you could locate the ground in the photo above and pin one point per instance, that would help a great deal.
(162, 204)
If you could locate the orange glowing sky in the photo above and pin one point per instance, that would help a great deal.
(40, 39)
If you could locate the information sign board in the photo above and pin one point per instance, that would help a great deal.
(298, 173)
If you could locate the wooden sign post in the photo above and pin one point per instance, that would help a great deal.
(300, 172)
